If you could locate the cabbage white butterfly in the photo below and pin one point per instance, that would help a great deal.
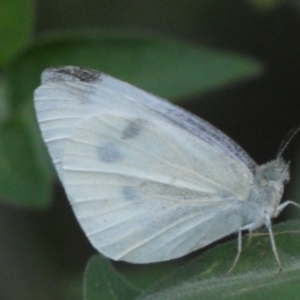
(148, 181)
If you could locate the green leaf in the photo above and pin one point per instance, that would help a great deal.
(159, 65)
(25, 171)
(103, 282)
(135, 273)
(266, 5)
(162, 66)
(3, 100)
(256, 275)
(16, 22)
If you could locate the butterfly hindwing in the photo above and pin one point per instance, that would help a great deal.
(141, 195)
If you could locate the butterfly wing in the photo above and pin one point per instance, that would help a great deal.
(145, 184)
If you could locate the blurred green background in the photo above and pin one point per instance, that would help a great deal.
(234, 63)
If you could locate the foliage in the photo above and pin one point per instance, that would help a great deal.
(235, 64)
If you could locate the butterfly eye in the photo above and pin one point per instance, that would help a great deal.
(275, 174)
(276, 171)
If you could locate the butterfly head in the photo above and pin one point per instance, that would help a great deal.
(276, 171)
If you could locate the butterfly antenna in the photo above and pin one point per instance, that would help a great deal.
(291, 134)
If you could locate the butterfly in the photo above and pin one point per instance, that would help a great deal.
(147, 180)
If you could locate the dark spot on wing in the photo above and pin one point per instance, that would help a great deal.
(132, 129)
(129, 193)
(70, 74)
(109, 152)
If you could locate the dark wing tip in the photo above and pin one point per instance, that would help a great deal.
(69, 73)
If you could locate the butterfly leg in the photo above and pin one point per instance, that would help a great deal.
(268, 224)
(283, 205)
(239, 248)
(249, 239)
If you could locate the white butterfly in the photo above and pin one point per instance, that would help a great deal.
(148, 181)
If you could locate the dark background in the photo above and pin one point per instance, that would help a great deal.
(257, 114)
